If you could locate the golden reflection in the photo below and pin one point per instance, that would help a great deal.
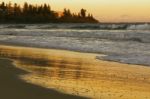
(80, 73)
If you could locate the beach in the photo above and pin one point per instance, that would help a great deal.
(75, 61)
(40, 71)
(74, 49)
(12, 87)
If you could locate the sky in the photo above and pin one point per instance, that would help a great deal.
(103, 10)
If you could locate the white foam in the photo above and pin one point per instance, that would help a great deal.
(117, 42)
(139, 27)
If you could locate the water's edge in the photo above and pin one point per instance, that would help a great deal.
(80, 74)
(12, 86)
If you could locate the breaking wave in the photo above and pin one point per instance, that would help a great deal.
(145, 26)
(126, 43)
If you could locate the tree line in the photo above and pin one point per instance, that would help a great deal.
(29, 13)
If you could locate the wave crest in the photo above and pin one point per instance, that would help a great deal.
(80, 26)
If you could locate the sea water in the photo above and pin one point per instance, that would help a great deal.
(126, 43)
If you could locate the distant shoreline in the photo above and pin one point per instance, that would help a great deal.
(50, 23)
(103, 23)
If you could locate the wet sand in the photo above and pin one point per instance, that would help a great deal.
(11, 87)
(79, 73)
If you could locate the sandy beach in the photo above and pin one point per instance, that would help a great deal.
(74, 49)
(75, 73)
(11, 87)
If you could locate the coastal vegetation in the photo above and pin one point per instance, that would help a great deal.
(29, 13)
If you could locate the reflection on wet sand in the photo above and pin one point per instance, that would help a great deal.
(80, 73)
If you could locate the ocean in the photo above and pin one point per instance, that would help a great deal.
(97, 61)
(125, 43)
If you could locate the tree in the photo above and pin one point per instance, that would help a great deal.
(83, 13)
(3, 6)
(25, 8)
(30, 10)
(15, 9)
(67, 13)
(40, 13)
(9, 8)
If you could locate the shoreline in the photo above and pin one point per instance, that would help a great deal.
(106, 56)
(47, 48)
(11, 87)
(112, 79)
(123, 46)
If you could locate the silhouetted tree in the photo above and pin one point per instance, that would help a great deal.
(29, 13)
(66, 13)
(3, 6)
(25, 8)
(83, 13)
